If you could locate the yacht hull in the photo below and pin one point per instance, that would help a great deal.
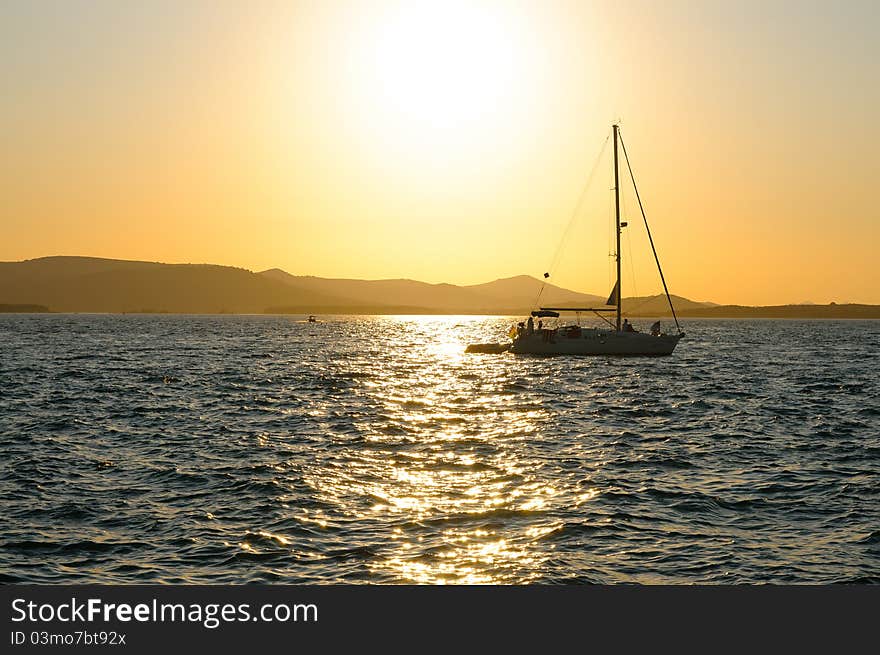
(596, 342)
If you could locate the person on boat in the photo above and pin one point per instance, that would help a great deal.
(627, 326)
(530, 326)
(540, 325)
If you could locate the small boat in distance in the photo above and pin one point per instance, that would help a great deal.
(312, 318)
(620, 337)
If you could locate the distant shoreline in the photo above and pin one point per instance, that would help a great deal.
(835, 312)
(23, 309)
(95, 285)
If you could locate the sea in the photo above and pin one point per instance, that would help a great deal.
(374, 450)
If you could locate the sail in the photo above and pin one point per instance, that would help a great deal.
(614, 298)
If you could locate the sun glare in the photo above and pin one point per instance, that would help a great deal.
(443, 74)
(438, 65)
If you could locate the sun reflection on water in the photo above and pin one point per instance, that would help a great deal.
(449, 461)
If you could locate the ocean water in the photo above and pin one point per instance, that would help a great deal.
(187, 449)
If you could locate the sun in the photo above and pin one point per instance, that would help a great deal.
(443, 74)
(442, 65)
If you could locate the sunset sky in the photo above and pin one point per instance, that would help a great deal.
(450, 141)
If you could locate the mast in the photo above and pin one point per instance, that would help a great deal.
(617, 223)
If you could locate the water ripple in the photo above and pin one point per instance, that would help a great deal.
(372, 449)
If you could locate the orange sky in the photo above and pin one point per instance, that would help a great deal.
(450, 141)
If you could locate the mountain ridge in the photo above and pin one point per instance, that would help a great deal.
(62, 283)
(518, 292)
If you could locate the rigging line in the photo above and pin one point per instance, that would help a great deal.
(574, 214)
(648, 229)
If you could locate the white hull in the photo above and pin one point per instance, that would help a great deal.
(595, 342)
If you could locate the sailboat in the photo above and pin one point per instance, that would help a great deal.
(619, 338)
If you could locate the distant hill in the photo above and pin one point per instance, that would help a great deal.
(513, 295)
(23, 309)
(522, 291)
(659, 306)
(405, 293)
(86, 284)
(89, 284)
(784, 311)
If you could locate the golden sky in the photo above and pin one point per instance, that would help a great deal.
(449, 141)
